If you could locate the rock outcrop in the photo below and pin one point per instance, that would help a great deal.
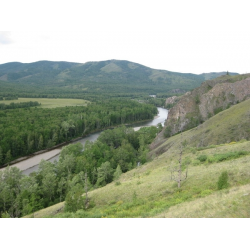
(205, 101)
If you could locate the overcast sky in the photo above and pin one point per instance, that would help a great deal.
(182, 36)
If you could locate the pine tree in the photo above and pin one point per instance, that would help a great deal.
(1, 155)
(40, 143)
(8, 157)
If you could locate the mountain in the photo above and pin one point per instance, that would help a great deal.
(212, 97)
(104, 77)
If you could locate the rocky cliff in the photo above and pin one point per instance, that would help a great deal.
(205, 101)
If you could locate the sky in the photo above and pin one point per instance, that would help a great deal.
(181, 36)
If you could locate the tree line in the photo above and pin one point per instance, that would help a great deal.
(85, 90)
(28, 130)
(13, 105)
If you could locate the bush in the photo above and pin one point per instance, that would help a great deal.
(74, 200)
(226, 156)
(223, 180)
(202, 158)
(167, 132)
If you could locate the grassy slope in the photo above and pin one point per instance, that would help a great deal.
(148, 191)
(50, 103)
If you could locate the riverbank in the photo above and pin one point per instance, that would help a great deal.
(31, 161)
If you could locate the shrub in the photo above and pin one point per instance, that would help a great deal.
(167, 132)
(226, 156)
(202, 158)
(223, 180)
(74, 199)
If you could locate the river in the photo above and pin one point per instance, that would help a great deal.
(30, 165)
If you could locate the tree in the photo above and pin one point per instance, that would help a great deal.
(223, 180)
(65, 125)
(40, 143)
(117, 172)
(5, 196)
(49, 184)
(10, 188)
(74, 200)
(104, 174)
(179, 176)
(84, 179)
(8, 157)
(159, 127)
(72, 149)
(1, 155)
(61, 187)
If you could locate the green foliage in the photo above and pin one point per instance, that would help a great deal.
(8, 157)
(25, 131)
(5, 215)
(218, 110)
(74, 200)
(106, 78)
(226, 156)
(19, 105)
(206, 192)
(170, 105)
(117, 172)
(202, 158)
(71, 149)
(167, 132)
(105, 174)
(1, 155)
(223, 180)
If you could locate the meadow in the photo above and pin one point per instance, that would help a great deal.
(50, 102)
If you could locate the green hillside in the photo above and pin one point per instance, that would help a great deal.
(112, 77)
(149, 191)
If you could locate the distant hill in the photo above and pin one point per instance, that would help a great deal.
(104, 77)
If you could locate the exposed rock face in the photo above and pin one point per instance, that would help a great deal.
(223, 95)
(205, 101)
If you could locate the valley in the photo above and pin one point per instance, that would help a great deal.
(195, 164)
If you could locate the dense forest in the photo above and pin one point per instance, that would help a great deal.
(88, 91)
(112, 78)
(115, 152)
(24, 131)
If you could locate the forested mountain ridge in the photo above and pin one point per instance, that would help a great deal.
(111, 76)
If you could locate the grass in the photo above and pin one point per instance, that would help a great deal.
(147, 191)
(232, 203)
(50, 103)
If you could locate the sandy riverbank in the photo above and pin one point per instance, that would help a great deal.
(35, 160)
